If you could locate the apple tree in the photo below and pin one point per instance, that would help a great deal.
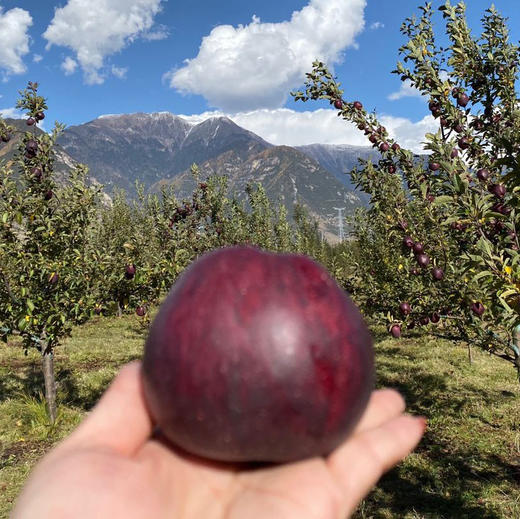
(439, 242)
(44, 232)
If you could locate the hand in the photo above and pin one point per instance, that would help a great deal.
(112, 467)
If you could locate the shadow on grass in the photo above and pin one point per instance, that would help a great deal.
(29, 380)
(452, 478)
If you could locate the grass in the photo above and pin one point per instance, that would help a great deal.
(467, 466)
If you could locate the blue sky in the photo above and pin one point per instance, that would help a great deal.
(235, 57)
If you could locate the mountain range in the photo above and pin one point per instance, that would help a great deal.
(158, 149)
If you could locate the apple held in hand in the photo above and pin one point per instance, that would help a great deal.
(256, 356)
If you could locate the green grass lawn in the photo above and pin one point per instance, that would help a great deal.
(467, 466)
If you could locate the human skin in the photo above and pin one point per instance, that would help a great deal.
(113, 466)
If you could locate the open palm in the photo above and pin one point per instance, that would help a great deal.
(112, 466)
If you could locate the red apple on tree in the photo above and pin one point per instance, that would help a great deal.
(405, 308)
(422, 260)
(130, 271)
(437, 273)
(395, 330)
(418, 248)
(477, 308)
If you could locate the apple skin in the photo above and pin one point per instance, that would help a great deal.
(395, 330)
(257, 357)
(483, 174)
(408, 242)
(462, 100)
(477, 308)
(405, 308)
(418, 248)
(437, 273)
(130, 271)
(422, 259)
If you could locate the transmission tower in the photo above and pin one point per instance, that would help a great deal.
(340, 222)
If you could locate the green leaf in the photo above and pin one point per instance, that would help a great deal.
(22, 324)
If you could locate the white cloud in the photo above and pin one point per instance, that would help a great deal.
(256, 65)
(285, 126)
(406, 90)
(119, 72)
(95, 29)
(14, 40)
(11, 113)
(377, 25)
(69, 66)
(159, 33)
(37, 58)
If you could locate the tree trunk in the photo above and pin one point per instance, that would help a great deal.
(50, 383)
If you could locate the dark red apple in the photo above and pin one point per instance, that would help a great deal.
(462, 100)
(408, 242)
(384, 146)
(373, 138)
(437, 273)
(31, 148)
(424, 320)
(338, 103)
(30, 121)
(391, 168)
(483, 174)
(422, 259)
(405, 308)
(477, 308)
(130, 271)
(395, 330)
(434, 166)
(357, 105)
(140, 310)
(257, 356)
(499, 190)
(396, 146)
(454, 153)
(435, 318)
(418, 248)
(463, 143)
(40, 116)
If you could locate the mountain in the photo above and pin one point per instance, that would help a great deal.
(159, 148)
(340, 159)
(287, 175)
(120, 149)
(63, 161)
